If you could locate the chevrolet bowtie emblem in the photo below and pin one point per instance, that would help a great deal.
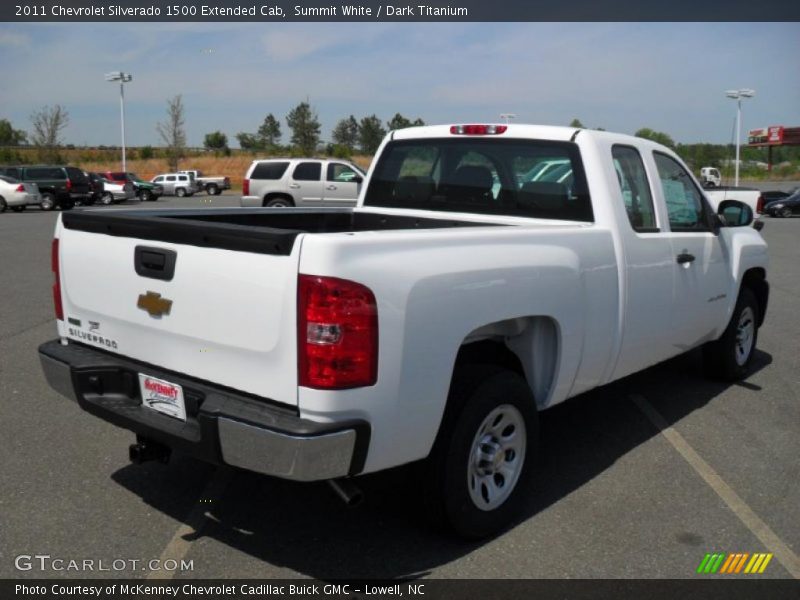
(154, 304)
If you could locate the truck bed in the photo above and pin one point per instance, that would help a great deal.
(263, 231)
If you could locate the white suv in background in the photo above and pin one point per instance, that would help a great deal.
(176, 184)
(301, 182)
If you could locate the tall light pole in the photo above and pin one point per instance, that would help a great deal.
(123, 78)
(738, 95)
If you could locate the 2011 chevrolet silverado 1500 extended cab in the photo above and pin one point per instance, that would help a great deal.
(466, 292)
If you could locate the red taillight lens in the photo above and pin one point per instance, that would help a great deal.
(20, 188)
(760, 204)
(478, 129)
(246, 187)
(69, 184)
(337, 328)
(54, 265)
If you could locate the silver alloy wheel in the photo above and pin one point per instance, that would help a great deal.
(496, 457)
(786, 212)
(745, 331)
(107, 198)
(47, 202)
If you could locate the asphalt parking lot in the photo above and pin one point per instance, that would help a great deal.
(639, 479)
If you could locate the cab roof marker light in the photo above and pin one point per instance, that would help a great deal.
(478, 129)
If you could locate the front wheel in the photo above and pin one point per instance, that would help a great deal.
(180, 192)
(786, 212)
(482, 464)
(730, 356)
(107, 198)
(144, 195)
(212, 190)
(3, 205)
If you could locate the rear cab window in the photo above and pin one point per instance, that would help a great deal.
(521, 178)
(634, 188)
(269, 170)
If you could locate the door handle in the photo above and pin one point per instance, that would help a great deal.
(294, 186)
(331, 187)
(684, 258)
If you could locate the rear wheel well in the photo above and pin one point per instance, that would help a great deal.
(278, 196)
(489, 352)
(756, 280)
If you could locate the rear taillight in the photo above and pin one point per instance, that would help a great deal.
(246, 187)
(20, 188)
(760, 204)
(478, 129)
(69, 184)
(54, 264)
(337, 327)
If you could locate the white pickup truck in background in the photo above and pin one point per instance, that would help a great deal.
(465, 293)
(213, 185)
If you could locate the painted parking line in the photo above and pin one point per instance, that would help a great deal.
(750, 519)
(181, 542)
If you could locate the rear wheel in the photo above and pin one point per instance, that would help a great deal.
(279, 202)
(730, 356)
(482, 464)
(48, 201)
(107, 198)
(144, 195)
(180, 192)
(3, 205)
(786, 212)
(212, 190)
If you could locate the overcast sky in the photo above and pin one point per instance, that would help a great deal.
(621, 76)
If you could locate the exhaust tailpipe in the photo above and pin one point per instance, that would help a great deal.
(348, 491)
(145, 450)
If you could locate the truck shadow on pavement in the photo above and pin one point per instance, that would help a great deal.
(305, 528)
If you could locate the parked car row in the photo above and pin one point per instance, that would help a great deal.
(58, 186)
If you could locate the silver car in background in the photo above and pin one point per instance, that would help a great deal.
(16, 195)
(176, 184)
(278, 182)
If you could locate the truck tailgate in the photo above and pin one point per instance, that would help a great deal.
(225, 316)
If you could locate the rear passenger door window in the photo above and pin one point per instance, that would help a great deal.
(635, 189)
(684, 201)
(307, 171)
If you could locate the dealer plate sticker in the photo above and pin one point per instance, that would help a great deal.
(163, 396)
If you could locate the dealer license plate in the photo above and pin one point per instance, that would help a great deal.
(163, 396)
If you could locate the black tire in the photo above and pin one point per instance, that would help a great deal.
(218, 192)
(786, 212)
(730, 356)
(212, 189)
(88, 202)
(18, 208)
(475, 393)
(279, 202)
(144, 195)
(48, 201)
(180, 192)
(3, 205)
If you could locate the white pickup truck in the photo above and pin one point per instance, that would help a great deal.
(432, 321)
(213, 186)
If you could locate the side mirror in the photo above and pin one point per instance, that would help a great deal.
(734, 213)
(357, 179)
